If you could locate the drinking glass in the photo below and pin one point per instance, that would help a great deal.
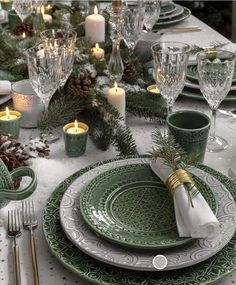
(23, 8)
(61, 42)
(152, 13)
(133, 22)
(170, 63)
(215, 72)
(44, 72)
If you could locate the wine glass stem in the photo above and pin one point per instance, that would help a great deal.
(213, 126)
(169, 109)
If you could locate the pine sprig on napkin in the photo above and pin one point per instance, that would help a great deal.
(171, 152)
(214, 45)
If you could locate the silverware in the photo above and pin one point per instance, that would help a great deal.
(227, 113)
(231, 174)
(30, 223)
(14, 231)
(179, 30)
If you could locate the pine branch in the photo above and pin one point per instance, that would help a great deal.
(61, 111)
(122, 136)
(147, 105)
(170, 151)
(195, 49)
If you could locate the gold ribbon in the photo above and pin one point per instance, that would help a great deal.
(177, 178)
(210, 53)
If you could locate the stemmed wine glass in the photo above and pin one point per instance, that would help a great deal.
(44, 74)
(61, 42)
(170, 64)
(133, 16)
(152, 13)
(215, 71)
(23, 8)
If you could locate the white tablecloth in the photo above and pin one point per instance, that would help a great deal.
(52, 171)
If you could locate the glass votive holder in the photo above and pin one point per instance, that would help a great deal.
(26, 101)
(75, 137)
(10, 123)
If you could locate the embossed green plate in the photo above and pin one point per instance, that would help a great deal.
(192, 73)
(129, 205)
(168, 9)
(204, 273)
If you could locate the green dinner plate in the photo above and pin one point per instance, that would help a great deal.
(186, 13)
(130, 205)
(204, 273)
(196, 94)
(192, 73)
(168, 9)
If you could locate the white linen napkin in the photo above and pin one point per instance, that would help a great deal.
(197, 222)
(5, 87)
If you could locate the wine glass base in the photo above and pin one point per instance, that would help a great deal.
(50, 136)
(216, 144)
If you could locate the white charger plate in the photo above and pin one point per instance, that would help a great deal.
(86, 240)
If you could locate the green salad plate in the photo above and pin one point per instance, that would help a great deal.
(131, 206)
(204, 273)
(192, 73)
(168, 9)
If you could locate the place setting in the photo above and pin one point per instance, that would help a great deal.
(122, 191)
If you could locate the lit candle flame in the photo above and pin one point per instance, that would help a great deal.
(23, 35)
(42, 10)
(48, 7)
(97, 46)
(95, 10)
(115, 85)
(7, 113)
(76, 126)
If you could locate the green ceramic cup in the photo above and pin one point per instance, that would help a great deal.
(75, 144)
(190, 129)
(6, 5)
(13, 19)
(10, 126)
(7, 191)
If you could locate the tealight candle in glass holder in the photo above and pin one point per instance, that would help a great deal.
(75, 137)
(10, 122)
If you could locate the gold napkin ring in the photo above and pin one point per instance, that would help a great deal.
(210, 52)
(177, 178)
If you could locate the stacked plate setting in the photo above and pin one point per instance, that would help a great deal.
(171, 13)
(192, 88)
(118, 214)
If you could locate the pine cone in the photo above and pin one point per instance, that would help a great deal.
(13, 154)
(37, 148)
(9, 145)
(12, 162)
(80, 85)
(23, 28)
(129, 72)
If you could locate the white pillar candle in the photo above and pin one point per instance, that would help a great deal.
(95, 27)
(98, 52)
(46, 17)
(116, 97)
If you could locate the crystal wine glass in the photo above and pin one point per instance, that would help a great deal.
(133, 22)
(170, 64)
(152, 13)
(61, 42)
(23, 8)
(215, 72)
(44, 73)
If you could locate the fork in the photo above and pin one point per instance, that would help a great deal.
(30, 223)
(14, 231)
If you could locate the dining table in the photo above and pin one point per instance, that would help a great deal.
(58, 166)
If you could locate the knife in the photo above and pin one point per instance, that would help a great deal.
(232, 174)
